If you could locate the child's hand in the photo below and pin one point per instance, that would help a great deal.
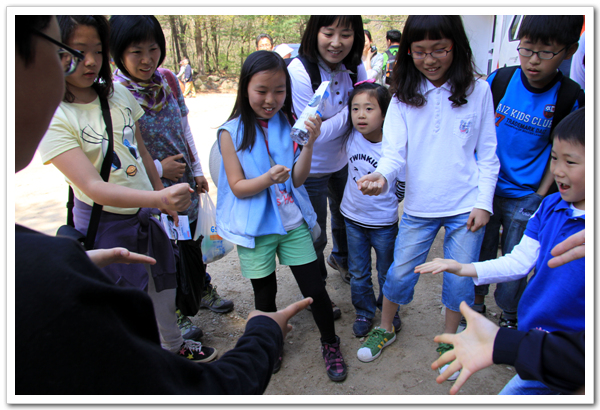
(371, 184)
(283, 316)
(176, 197)
(440, 265)
(473, 348)
(478, 218)
(105, 257)
(568, 250)
(313, 126)
(279, 174)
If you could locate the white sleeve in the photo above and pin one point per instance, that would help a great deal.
(513, 266)
(393, 147)
(376, 67)
(487, 160)
(196, 166)
(158, 167)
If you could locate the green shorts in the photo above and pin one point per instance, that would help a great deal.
(295, 248)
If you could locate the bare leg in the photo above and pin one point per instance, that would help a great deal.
(452, 321)
(387, 314)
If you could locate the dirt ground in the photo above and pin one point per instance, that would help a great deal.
(402, 369)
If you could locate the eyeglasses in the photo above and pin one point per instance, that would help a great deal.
(419, 55)
(543, 55)
(69, 57)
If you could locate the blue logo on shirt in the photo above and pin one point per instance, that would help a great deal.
(465, 126)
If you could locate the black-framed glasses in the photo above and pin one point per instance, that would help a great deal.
(543, 55)
(69, 57)
(419, 55)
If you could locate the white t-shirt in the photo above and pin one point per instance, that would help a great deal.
(82, 126)
(368, 211)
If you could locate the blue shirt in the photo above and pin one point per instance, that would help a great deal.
(554, 298)
(523, 121)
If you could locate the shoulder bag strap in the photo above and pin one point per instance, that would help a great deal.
(500, 83)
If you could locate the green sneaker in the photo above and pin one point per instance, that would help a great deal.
(377, 339)
(211, 300)
(188, 330)
(443, 348)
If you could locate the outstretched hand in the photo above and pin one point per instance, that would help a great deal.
(104, 257)
(439, 265)
(283, 316)
(371, 184)
(473, 348)
(568, 250)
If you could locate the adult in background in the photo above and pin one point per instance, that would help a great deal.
(284, 51)
(372, 60)
(392, 38)
(264, 42)
(185, 78)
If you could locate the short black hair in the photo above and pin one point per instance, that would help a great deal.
(263, 35)
(24, 32)
(68, 24)
(394, 36)
(128, 30)
(572, 128)
(560, 29)
(308, 44)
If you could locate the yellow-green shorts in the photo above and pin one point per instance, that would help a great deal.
(295, 248)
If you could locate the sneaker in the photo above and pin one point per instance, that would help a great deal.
(277, 365)
(397, 323)
(197, 352)
(334, 362)
(188, 330)
(343, 272)
(337, 313)
(211, 300)
(361, 326)
(377, 339)
(443, 348)
(507, 323)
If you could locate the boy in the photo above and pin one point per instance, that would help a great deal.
(527, 108)
(555, 297)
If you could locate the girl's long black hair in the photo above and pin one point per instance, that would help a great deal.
(406, 79)
(103, 84)
(379, 92)
(256, 62)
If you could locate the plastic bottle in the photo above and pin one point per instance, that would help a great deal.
(299, 132)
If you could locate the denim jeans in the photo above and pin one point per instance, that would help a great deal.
(320, 189)
(518, 386)
(513, 215)
(414, 240)
(360, 241)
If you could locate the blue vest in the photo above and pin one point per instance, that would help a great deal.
(241, 220)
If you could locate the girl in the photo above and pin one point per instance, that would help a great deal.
(75, 144)
(370, 222)
(372, 60)
(259, 207)
(137, 44)
(439, 117)
(335, 44)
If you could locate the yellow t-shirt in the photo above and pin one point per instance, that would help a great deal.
(82, 126)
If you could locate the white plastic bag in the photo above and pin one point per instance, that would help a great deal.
(213, 247)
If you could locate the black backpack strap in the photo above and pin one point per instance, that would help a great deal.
(565, 100)
(500, 83)
(313, 72)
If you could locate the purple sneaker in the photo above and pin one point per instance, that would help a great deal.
(334, 362)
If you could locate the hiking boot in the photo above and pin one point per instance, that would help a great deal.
(361, 326)
(197, 352)
(188, 330)
(343, 271)
(443, 348)
(377, 339)
(211, 300)
(334, 362)
(397, 323)
(507, 323)
(277, 365)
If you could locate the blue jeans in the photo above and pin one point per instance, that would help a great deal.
(518, 386)
(414, 240)
(320, 189)
(513, 215)
(360, 241)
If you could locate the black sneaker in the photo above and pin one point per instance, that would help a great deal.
(187, 328)
(362, 326)
(197, 352)
(507, 323)
(343, 271)
(397, 323)
(211, 300)
(337, 313)
(337, 370)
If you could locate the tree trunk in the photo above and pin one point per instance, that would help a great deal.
(199, 48)
(182, 30)
(175, 37)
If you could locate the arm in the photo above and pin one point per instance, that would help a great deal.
(147, 160)
(546, 182)
(301, 168)
(201, 181)
(240, 186)
(104, 257)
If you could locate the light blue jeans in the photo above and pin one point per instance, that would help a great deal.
(518, 386)
(414, 240)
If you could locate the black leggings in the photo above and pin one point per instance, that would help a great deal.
(310, 284)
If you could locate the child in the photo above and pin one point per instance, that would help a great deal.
(370, 222)
(525, 116)
(259, 207)
(75, 144)
(440, 116)
(334, 44)
(138, 45)
(554, 299)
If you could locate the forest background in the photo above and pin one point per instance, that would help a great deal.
(217, 45)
